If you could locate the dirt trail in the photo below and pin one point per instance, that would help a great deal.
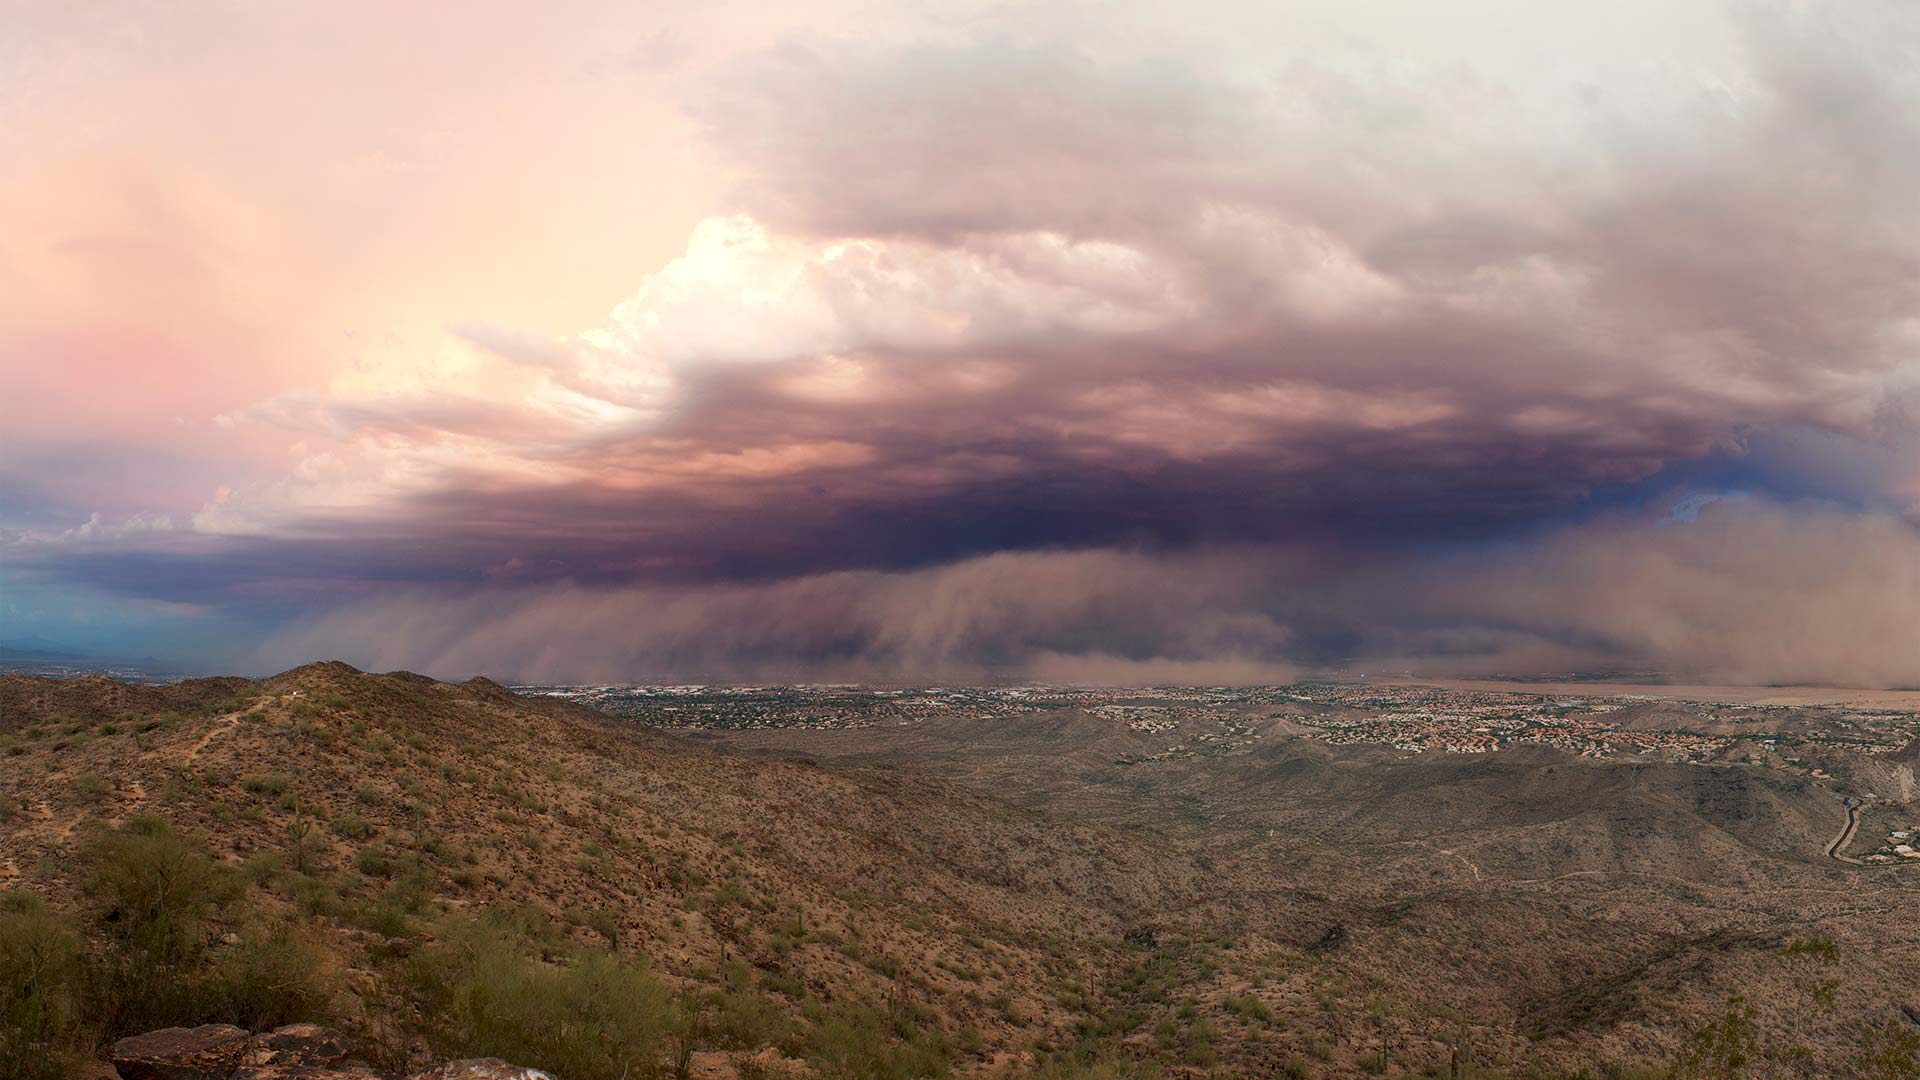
(220, 725)
(1464, 861)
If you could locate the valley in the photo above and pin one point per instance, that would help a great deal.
(1192, 882)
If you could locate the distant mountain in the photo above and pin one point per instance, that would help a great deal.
(38, 648)
(38, 655)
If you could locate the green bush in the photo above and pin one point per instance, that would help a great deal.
(595, 1016)
(745, 1019)
(159, 899)
(1891, 1052)
(1728, 1045)
(390, 914)
(91, 787)
(272, 784)
(353, 827)
(856, 1042)
(41, 985)
(1100, 1069)
(1818, 947)
(373, 861)
(266, 979)
(155, 894)
(1249, 1006)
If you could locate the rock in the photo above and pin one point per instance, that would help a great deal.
(220, 1052)
(1335, 937)
(289, 1071)
(208, 1052)
(300, 1044)
(480, 1069)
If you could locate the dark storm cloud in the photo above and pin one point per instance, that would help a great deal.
(1127, 355)
(1748, 592)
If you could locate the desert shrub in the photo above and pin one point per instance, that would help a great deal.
(745, 1019)
(1728, 1045)
(1891, 1052)
(271, 784)
(595, 1017)
(1102, 1068)
(856, 1042)
(9, 808)
(91, 787)
(41, 985)
(154, 886)
(533, 926)
(353, 826)
(1635, 1071)
(1249, 1006)
(157, 896)
(384, 917)
(602, 922)
(390, 914)
(266, 979)
(1820, 948)
(783, 983)
(373, 861)
(1199, 1049)
(262, 867)
(315, 894)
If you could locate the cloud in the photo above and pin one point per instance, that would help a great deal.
(1748, 591)
(1275, 333)
(1335, 287)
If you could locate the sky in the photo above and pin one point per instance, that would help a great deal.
(1111, 343)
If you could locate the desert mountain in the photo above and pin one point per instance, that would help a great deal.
(454, 870)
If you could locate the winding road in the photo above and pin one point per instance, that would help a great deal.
(1846, 834)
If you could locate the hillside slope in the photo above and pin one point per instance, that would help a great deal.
(449, 869)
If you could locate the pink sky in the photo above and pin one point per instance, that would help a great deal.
(303, 303)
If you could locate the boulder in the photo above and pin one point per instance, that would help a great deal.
(292, 1071)
(208, 1052)
(480, 1069)
(293, 1052)
(300, 1044)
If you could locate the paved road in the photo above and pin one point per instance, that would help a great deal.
(1846, 834)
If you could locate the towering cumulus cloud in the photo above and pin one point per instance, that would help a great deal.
(1087, 346)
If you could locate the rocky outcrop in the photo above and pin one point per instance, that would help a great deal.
(293, 1052)
(303, 1052)
(208, 1052)
(301, 1044)
(480, 1069)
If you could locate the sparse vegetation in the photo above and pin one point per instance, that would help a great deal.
(491, 877)
(592, 1016)
(42, 983)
